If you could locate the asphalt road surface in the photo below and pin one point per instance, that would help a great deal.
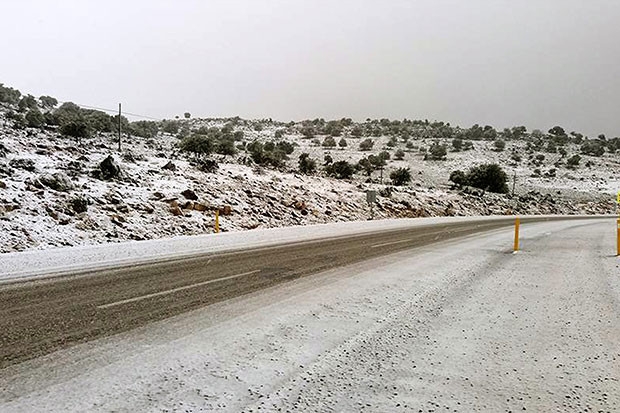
(39, 317)
(459, 325)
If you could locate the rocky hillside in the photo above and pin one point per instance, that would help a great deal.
(58, 190)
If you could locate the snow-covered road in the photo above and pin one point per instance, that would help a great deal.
(462, 325)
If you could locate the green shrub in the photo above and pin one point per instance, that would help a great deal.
(144, 128)
(198, 145)
(436, 152)
(48, 102)
(499, 145)
(226, 146)
(399, 155)
(77, 129)
(573, 161)
(342, 143)
(458, 178)
(329, 142)
(592, 148)
(9, 95)
(34, 118)
(457, 144)
(489, 177)
(366, 145)
(27, 102)
(170, 126)
(307, 165)
(340, 170)
(401, 176)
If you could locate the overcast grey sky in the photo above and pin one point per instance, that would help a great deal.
(531, 62)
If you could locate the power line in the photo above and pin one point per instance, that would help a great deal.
(114, 111)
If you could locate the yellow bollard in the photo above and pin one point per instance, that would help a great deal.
(618, 236)
(516, 246)
(217, 221)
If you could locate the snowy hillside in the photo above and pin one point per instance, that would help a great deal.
(55, 191)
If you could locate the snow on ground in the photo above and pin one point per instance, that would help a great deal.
(148, 201)
(458, 326)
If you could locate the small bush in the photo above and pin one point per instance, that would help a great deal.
(436, 152)
(34, 118)
(489, 177)
(226, 146)
(307, 165)
(48, 102)
(457, 144)
(77, 129)
(458, 178)
(399, 155)
(592, 148)
(198, 145)
(329, 142)
(401, 176)
(573, 161)
(366, 145)
(342, 143)
(340, 170)
(499, 145)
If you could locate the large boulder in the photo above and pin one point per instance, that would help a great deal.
(189, 194)
(169, 166)
(57, 181)
(109, 169)
(25, 164)
(3, 150)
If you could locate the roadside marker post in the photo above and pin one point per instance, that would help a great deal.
(618, 236)
(217, 221)
(618, 225)
(516, 244)
(371, 198)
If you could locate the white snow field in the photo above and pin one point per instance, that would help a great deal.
(462, 326)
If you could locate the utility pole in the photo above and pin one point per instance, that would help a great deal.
(119, 127)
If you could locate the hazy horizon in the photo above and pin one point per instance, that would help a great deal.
(533, 63)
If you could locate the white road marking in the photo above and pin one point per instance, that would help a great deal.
(390, 243)
(174, 290)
